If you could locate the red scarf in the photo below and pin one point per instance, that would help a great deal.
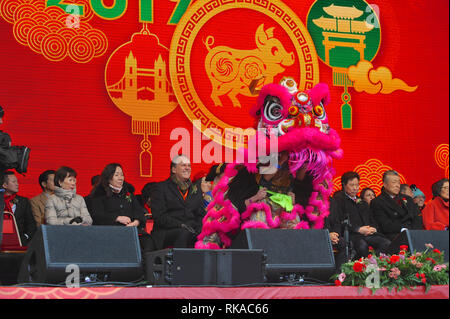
(8, 202)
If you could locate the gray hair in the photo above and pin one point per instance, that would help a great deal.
(389, 173)
(176, 160)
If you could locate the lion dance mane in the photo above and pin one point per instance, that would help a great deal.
(298, 121)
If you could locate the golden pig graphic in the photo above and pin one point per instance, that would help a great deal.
(231, 71)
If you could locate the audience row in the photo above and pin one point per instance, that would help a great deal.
(177, 207)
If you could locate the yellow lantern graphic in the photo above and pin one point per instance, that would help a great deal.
(136, 78)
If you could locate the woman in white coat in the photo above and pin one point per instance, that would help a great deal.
(65, 206)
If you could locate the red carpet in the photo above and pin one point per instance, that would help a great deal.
(305, 292)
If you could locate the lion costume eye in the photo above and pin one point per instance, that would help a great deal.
(319, 112)
(273, 110)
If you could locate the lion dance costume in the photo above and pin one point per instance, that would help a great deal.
(306, 147)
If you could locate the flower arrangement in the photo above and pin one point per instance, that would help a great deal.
(402, 270)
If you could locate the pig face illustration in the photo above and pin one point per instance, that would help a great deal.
(231, 71)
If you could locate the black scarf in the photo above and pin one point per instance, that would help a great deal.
(183, 186)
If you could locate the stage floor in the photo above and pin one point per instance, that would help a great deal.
(304, 292)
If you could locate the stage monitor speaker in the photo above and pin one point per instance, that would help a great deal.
(99, 253)
(416, 240)
(291, 253)
(187, 266)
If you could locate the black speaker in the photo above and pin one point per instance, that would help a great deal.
(416, 240)
(291, 253)
(186, 266)
(101, 253)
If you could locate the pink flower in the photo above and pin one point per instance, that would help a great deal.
(394, 273)
(439, 267)
(429, 246)
(342, 277)
(419, 265)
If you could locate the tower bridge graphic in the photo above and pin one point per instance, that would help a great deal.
(145, 103)
(128, 84)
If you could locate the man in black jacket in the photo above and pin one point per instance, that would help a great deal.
(363, 227)
(19, 206)
(335, 225)
(394, 212)
(177, 208)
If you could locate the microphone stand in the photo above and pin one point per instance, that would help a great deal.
(347, 225)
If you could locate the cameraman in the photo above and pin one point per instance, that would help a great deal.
(12, 157)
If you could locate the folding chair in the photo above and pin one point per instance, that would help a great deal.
(11, 238)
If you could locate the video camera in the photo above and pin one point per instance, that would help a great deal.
(12, 157)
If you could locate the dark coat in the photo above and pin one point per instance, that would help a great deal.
(393, 214)
(334, 221)
(242, 187)
(105, 208)
(358, 212)
(170, 210)
(245, 185)
(25, 220)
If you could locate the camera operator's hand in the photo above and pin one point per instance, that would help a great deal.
(77, 220)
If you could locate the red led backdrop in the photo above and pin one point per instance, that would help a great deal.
(111, 88)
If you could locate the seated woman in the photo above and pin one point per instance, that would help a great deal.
(65, 206)
(113, 204)
(419, 197)
(435, 214)
(367, 194)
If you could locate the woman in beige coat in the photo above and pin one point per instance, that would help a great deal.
(65, 207)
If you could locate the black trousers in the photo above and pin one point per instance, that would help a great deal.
(340, 256)
(179, 238)
(173, 238)
(146, 242)
(362, 243)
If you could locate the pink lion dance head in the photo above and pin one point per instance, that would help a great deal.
(297, 122)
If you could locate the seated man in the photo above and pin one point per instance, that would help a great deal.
(177, 208)
(394, 212)
(19, 206)
(363, 228)
(47, 183)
